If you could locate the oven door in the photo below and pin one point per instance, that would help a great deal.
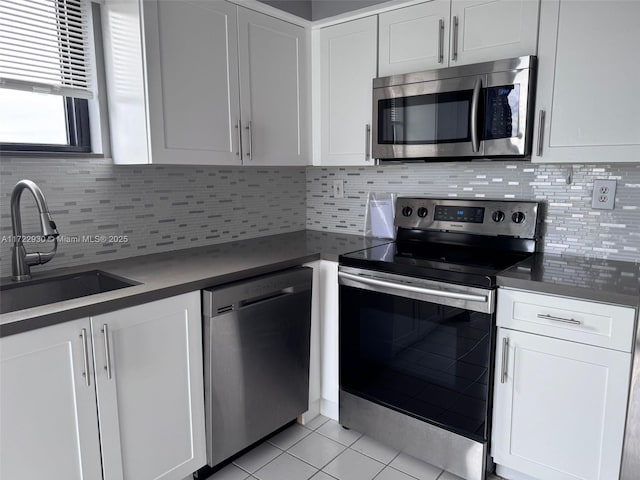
(436, 118)
(419, 347)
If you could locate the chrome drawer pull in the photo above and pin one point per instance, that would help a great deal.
(541, 116)
(441, 41)
(107, 351)
(454, 54)
(85, 356)
(572, 321)
(367, 142)
(505, 356)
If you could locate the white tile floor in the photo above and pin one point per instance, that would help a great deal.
(323, 450)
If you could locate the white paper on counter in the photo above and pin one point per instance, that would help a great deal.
(381, 212)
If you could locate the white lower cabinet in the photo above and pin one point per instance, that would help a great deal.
(147, 386)
(48, 423)
(559, 406)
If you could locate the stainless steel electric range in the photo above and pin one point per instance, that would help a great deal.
(417, 327)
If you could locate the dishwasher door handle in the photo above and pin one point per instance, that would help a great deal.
(249, 302)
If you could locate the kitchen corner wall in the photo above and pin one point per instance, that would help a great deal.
(159, 208)
(571, 226)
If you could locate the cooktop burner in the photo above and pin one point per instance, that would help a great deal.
(467, 242)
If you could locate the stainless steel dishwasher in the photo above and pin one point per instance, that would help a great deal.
(256, 358)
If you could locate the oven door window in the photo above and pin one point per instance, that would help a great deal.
(426, 360)
(425, 119)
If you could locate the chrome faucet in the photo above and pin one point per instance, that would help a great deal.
(21, 261)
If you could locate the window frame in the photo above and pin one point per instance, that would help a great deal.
(78, 132)
(76, 109)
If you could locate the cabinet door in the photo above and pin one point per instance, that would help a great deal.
(486, 30)
(347, 69)
(48, 422)
(273, 90)
(414, 38)
(192, 74)
(150, 389)
(588, 83)
(125, 81)
(560, 413)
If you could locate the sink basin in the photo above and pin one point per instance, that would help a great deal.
(33, 293)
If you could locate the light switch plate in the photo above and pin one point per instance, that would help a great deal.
(604, 194)
(338, 189)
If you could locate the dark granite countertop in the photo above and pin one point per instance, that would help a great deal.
(172, 273)
(607, 281)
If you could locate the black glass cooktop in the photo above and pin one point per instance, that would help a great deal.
(461, 264)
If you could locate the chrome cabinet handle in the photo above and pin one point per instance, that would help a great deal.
(441, 42)
(250, 132)
(410, 288)
(85, 357)
(239, 134)
(475, 108)
(572, 321)
(107, 351)
(454, 54)
(367, 142)
(505, 357)
(541, 119)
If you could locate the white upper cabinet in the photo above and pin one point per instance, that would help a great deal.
(204, 82)
(587, 100)
(348, 56)
(273, 90)
(192, 65)
(48, 423)
(443, 33)
(414, 38)
(486, 30)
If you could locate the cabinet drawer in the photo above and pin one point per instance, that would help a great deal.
(599, 324)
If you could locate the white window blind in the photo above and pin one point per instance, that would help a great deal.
(44, 47)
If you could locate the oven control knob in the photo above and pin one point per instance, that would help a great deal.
(407, 211)
(498, 216)
(518, 217)
(422, 212)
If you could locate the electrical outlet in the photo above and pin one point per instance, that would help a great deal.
(604, 194)
(338, 189)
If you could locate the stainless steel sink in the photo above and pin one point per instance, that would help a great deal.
(18, 296)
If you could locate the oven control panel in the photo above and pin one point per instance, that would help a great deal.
(485, 217)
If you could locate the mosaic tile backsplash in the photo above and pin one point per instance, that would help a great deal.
(571, 226)
(161, 208)
(157, 208)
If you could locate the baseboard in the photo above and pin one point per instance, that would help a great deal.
(329, 409)
(510, 474)
(313, 412)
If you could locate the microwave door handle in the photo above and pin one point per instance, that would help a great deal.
(475, 109)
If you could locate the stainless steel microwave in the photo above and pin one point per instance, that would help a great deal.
(481, 110)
